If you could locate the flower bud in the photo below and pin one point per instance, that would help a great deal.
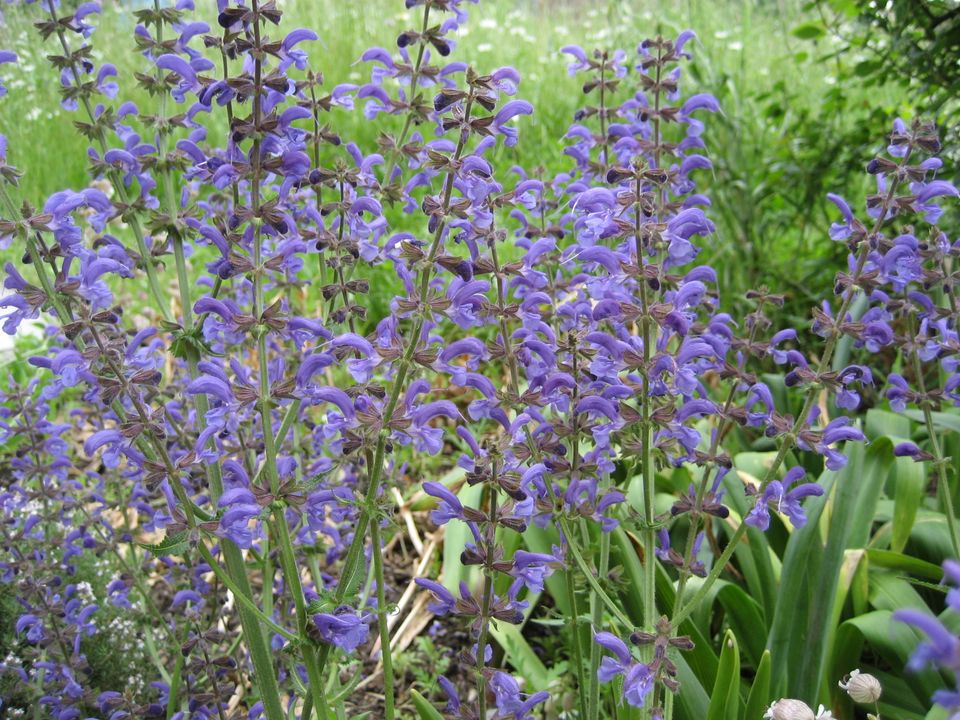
(861, 687)
(786, 709)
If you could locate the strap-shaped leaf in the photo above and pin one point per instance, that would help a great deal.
(725, 699)
(425, 709)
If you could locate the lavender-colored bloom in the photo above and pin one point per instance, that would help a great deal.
(444, 602)
(942, 647)
(610, 667)
(510, 701)
(240, 507)
(509, 111)
(344, 628)
(450, 507)
(453, 697)
(579, 62)
(783, 499)
(6, 56)
(534, 568)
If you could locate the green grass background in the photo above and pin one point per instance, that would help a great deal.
(782, 141)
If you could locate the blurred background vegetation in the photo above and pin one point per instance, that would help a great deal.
(808, 91)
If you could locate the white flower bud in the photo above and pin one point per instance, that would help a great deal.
(786, 709)
(861, 687)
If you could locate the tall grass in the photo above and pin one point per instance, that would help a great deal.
(767, 80)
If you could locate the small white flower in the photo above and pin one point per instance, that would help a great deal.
(787, 709)
(824, 714)
(861, 687)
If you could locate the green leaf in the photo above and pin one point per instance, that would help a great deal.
(808, 31)
(425, 709)
(942, 420)
(910, 488)
(693, 702)
(190, 345)
(860, 585)
(883, 422)
(865, 68)
(173, 544)
(725, 700)
(810, 596)
(904, 563)
(760, 695)
(745, 619)
(322, 605)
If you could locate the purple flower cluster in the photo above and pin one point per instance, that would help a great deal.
(553, 338)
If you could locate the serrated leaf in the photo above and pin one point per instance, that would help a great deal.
(173, 544)
(319, 606)
(190, 345)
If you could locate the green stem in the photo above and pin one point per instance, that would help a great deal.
(235, 576)
(175, 686)
(577, 650)
(488, 570)
(291, 574)
(414, 78)
(590, 577)
(696, 514)
(597, 618)
(385, 650)
(242, 597)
